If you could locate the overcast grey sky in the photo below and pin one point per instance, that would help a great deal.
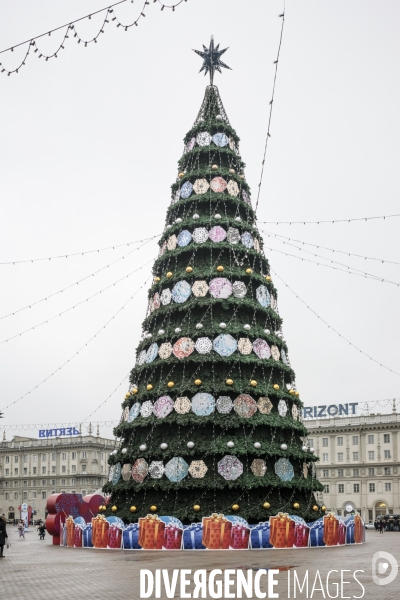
(88, 152)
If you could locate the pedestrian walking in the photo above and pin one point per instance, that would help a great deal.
(21, 530)
(381, 527)
(3, 536)
(42, 531)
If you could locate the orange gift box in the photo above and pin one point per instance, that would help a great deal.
(151, 533)
(331, 530)
(358, 529)
(100, 527)
(216, 532)
(70, 525)
(282, 531)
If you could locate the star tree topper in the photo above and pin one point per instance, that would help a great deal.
(212, 59)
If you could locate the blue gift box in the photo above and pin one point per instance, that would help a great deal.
(317, 533)
(87, 536)
(192, 536)
(259, 536)
(130, 537)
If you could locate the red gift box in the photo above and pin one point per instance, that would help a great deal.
(100, 527)
(114, 536)
(342, 533)
(216, 532)
(78, 537)
(282, 531)
(239, 537)
(172, 537)
(151, 533)
(301, 534)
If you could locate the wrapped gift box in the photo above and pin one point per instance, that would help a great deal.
(100, 527)
(114, 536)
(130, 536)
(331, 530)
(259, 536)
(87, 536)
(341, 533)
(240, 535)
(78, 536)
(63, 535)
(192, 536)
(70, 527)
(282, 531)
(301, 535)
(151, 532)
(172, 537)
(359, 530)
(317, 533)
(216, 532)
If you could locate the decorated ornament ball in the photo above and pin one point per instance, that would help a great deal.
(235, 507)
(196, 507)
(266, 505)
(114, 508)
(296, 505)
(133, 509)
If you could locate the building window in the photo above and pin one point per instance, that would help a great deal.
(83, 454)
(340, 456)
(310, 443)
(339, 441)
(94, 455)
(25, 496)
(371, 487)
(25, 483)
(388, 487)
(73, 483)
(25, 471)
(370, 439)
(324, 458)
(34, 457)
(73, 468)
(340, 473)
(356, 488)
(43, 495)
(371, 471)
(355, 455)
(25, 458)
(7, 471)
(53, 469)
(15, 471)
(16, 459)
(325, 442)
(387, 470)
(7, 496)
(386, 438)
(43, 470)
(387, 453)
(63, 469)
(33, 495)
(83, 468)
(16, 483)
(53, 482)
(83, 492)
(63, 483)
(371, 455)
(54, 456)
(325, 473)
(7, 459)
(43, 456)
(326, 489)
(63, 456)
(74, 456)
(34, 483)
(34, 470)
(356, 472)
(43, 482)
(15, 495)
(341, 488)
(102, 455)
(355, 440)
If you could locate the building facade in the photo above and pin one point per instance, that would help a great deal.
(359, 463)
(33, 469)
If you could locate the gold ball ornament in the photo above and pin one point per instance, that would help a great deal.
(232, 171)
(235, 507)
(253, 382)
(170, 384)
(220, 268)
(127, 395)
(297, 393)
(323, 508)
(291, 391)
(296, 505)
(101, 508)
(181, 174)
(169, 274)
(189, 269)
(268, 278)
(149, 387)
(242, 177)
(157, 279)
(114, 508)
(249, 271)
(133, 509)
(214, 167)
(229, 382)
(153, 508)
(315, 508)
(275, 386)
(197, 382)
(266, 505)
(196, 507)
(134, 391)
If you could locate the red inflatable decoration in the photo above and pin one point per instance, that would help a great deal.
(61, 506)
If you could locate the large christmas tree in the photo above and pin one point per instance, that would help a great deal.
(211, 421)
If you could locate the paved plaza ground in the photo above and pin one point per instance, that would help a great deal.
(35, 569)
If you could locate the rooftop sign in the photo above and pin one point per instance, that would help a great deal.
(61, 432)
(333, 410)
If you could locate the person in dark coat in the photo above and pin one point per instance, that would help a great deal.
(3, 536)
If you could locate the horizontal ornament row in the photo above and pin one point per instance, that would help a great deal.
(176, 469)
(216, 234)
(217, 185)
(224, 345)
(204, 138)
(203, 404)
(218, 287)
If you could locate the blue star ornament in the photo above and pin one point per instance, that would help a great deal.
(212, 59)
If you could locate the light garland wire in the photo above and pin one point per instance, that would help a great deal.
(271, 104)
(381, 260)
(70, 28)
(332, 221)
(72, 284)
(333, 329)
(77, 352)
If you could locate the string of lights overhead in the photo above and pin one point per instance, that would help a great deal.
(78, 351)
(85, 253)
(332, 221)
(71, 32)
(122, 382)
(71, 285)
(271, 104)
(333, 329)
(74, 306)
(381, 260)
